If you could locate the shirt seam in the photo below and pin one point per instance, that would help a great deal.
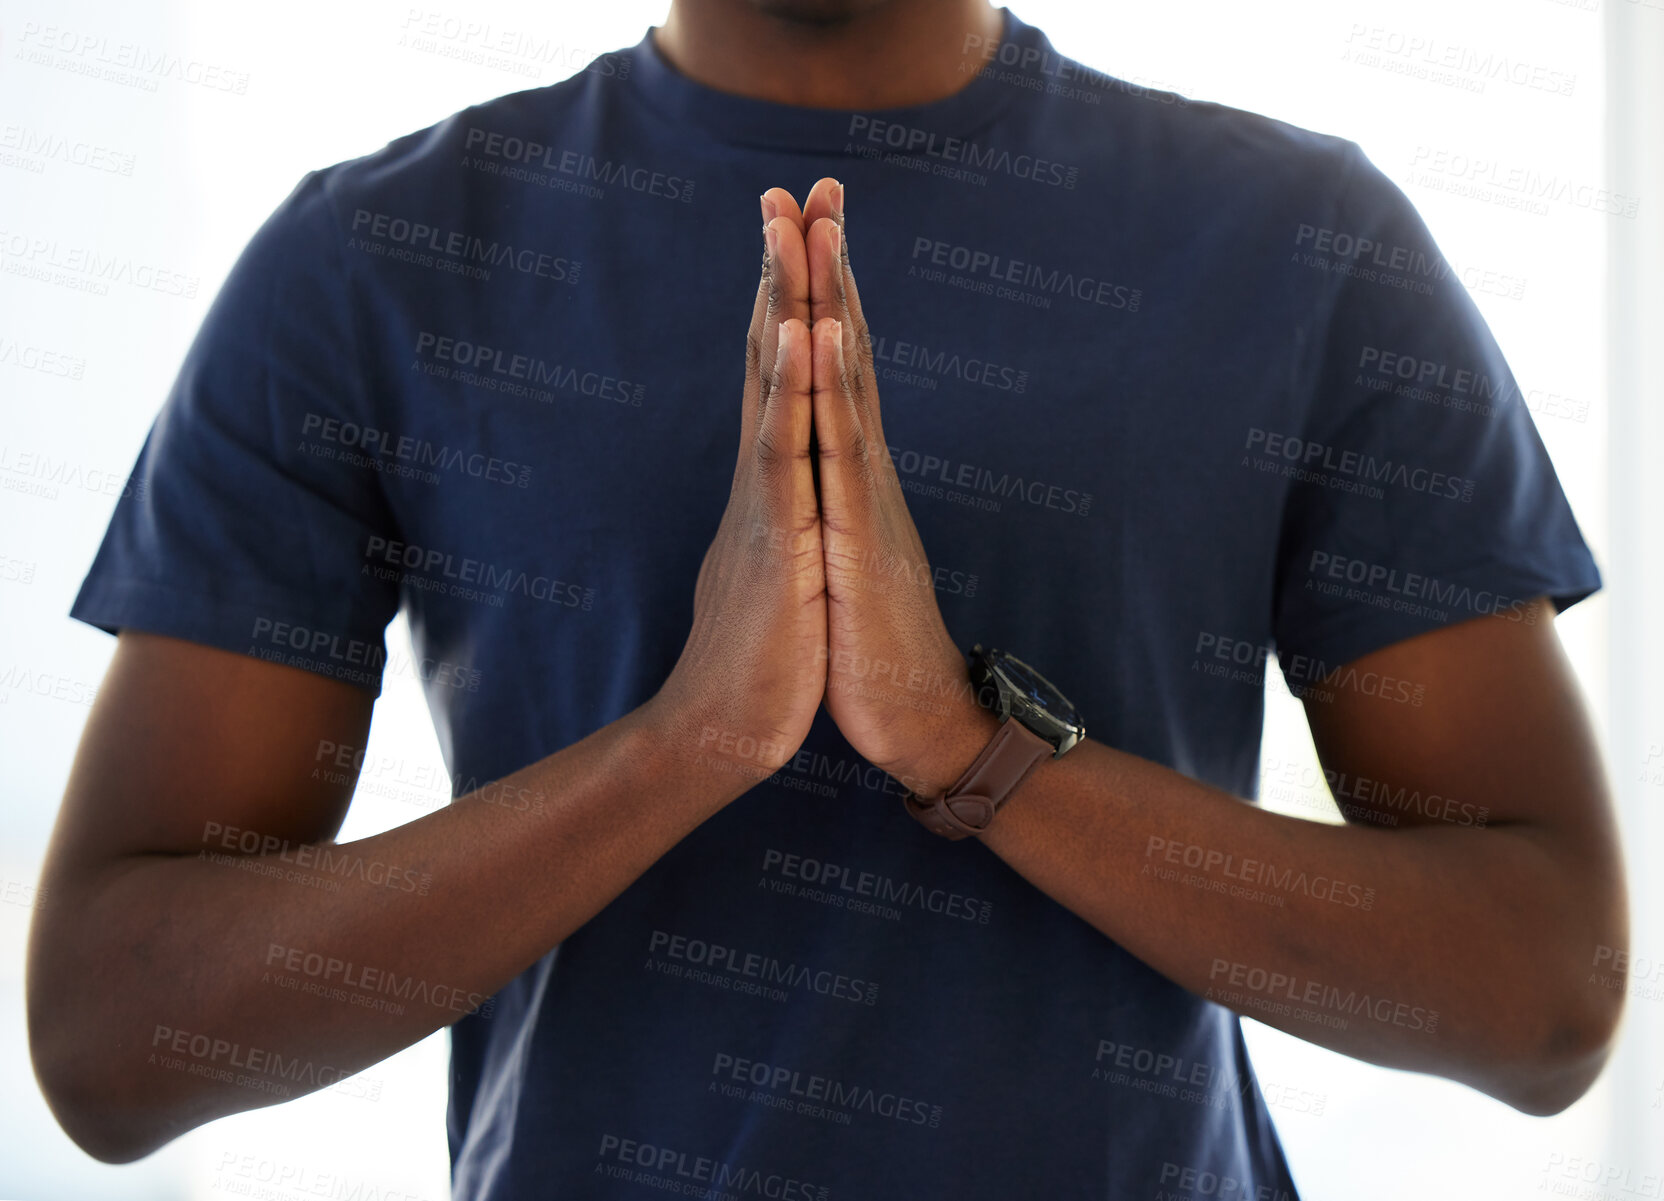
(353, 618)
(1342, 623)
(365, 400)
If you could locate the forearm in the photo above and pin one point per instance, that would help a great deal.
(1456, 951)
(183, 970)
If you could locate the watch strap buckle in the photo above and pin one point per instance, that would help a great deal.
(969, 805)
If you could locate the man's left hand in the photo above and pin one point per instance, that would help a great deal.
(897, 685)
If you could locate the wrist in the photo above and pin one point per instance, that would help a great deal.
(948, 751)
(700, 754)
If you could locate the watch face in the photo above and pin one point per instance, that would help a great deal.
(1031, 686)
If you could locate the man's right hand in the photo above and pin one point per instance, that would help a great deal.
(752, 674)
(186, 742)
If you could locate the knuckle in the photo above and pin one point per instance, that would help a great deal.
(863, 339)
(862, 393)
(852, 383)
(753, 351)
(770, 458)
(771, 288)
(857, 452)
(861, 331)
(860, 451)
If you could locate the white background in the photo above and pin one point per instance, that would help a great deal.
(329, 81)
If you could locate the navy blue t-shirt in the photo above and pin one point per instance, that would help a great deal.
(1169, 385)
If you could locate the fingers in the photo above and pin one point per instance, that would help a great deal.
(785, 285)
(827, 294)
(832, 291)
(825, 199)
(777, 202)
(782, 293)
(844, 450)
(785, 467)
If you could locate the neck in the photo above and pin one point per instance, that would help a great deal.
(886, 54)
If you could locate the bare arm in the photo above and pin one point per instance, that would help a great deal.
(1355, 936)
(1426, 944)
(159, 930)
(192, 855)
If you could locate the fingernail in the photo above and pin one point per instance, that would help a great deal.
(770, 209)
(772, 241)
(838, 201)
(837, 239)
(838, 344)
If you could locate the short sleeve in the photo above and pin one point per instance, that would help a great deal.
(247, 522)
(1422, 495)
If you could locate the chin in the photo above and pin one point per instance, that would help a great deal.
(817, 12)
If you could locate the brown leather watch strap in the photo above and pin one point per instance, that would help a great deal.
(969, 806)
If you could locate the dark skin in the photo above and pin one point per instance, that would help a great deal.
(1493, 928)
(145, 936)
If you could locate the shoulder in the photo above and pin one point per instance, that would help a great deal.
(1216, 157)
(444, 166)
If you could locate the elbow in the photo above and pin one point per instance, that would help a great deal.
(1548, 1077)
(92, 1124)
(100, 1116)
(106, 1137)
(1564, 1009)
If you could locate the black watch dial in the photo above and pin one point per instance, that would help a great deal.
(1035, 688)
(1011, 688)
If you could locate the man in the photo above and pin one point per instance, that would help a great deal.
(1157, 387)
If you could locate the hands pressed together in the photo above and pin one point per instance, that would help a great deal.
(816, 586)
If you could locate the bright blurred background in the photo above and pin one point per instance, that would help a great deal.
(181, 176)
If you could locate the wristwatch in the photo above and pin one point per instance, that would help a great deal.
(1045, 723)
